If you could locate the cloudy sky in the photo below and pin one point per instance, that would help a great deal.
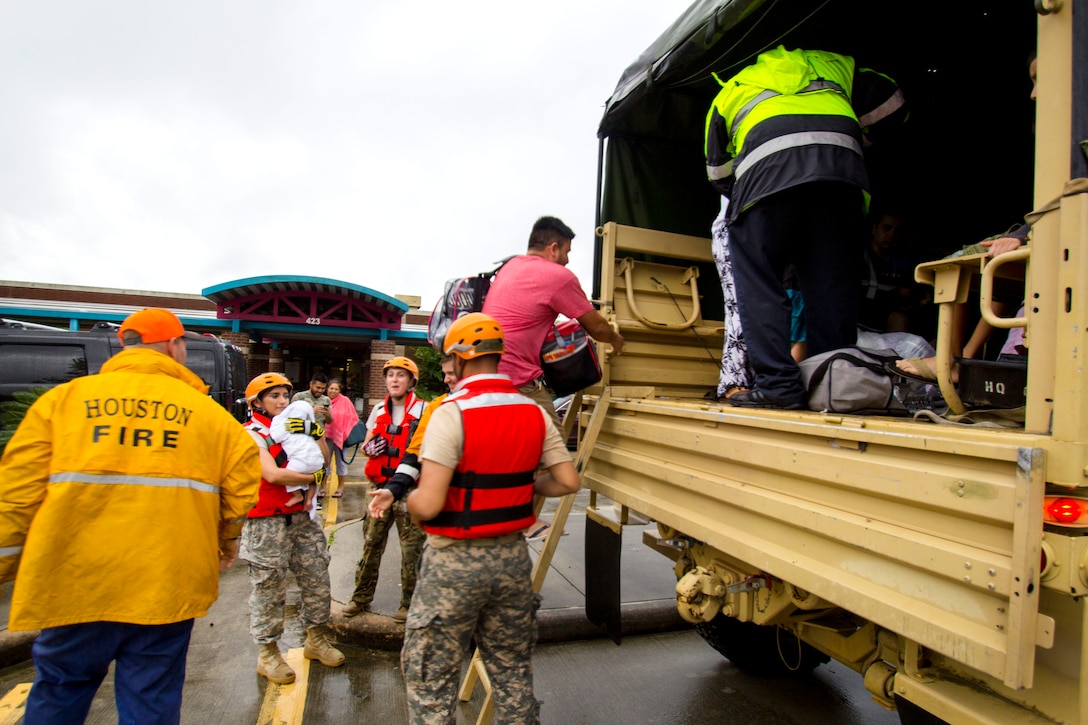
(389, 144)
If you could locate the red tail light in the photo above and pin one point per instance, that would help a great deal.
(1065, 511)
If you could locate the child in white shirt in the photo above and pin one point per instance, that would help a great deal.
(303, 453)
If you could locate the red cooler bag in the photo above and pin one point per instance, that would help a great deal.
(569, 359)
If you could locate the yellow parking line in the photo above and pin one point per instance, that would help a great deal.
(286, 704)
(331, 507)
(13, 704)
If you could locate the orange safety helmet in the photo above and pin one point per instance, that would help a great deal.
(404, 364)
(263, 382)
(474, 335)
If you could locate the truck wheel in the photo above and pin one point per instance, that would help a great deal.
(755, 649)
(911, 714)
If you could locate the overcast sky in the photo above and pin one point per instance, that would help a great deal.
(389, 144)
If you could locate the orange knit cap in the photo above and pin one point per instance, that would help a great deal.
(154, 324)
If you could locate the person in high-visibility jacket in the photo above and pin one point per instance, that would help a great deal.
(122, 496)
(480, 455)
(882, 112)
(784, 144)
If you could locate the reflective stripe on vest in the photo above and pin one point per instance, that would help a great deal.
(885, 109)
(493, 400)
(723, 171)
(134, 481)
(10, 550)
(795, 140)
(819, 84)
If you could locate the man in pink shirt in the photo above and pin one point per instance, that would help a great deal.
(528, 293)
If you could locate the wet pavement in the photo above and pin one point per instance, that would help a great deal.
(663, 672)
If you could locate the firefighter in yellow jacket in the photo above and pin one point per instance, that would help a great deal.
(122, 496)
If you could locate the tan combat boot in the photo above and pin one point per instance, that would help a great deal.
(318, 648)
(270, 664)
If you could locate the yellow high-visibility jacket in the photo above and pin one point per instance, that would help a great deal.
(114, 493)
(784, 121)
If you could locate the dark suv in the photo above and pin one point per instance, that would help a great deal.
(37, 358)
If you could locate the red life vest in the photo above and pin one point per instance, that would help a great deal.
(271, 499)
(491, 493)
(397, 437)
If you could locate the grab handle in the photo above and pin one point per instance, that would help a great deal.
(627, 266)
(986, 289)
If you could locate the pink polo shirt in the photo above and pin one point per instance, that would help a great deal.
(529, 292)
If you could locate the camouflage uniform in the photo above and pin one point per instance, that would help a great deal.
(273, 545)
(472, 587)
(377, 534)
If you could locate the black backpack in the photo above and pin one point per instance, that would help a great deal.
(461, 296)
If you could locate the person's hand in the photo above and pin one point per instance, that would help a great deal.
(228, 553)
(316, 430)
(319, 476)
(617, 343)
(321, 411)
(375, 446)
(1002, 245)
(380, 501)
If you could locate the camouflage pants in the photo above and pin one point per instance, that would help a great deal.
(274, 545)
(377, 534)
(474, 588)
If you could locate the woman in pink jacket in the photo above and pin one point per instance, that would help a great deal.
(344, 418)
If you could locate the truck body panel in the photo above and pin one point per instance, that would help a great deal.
(913, 551)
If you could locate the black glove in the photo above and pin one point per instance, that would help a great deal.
(298, 425)
(376, 446)
(319, 476)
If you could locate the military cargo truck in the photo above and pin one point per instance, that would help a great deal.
(945, 562)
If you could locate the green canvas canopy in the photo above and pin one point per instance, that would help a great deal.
(962, 67)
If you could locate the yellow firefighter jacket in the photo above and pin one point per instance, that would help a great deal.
(113, 494)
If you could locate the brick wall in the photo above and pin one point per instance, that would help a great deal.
(241, 339)
(256, 360)
(275, 360)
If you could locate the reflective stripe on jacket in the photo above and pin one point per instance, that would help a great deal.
(491, 493)
(783, 121)
(272, 499)
(397, 436)
(112, 493)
